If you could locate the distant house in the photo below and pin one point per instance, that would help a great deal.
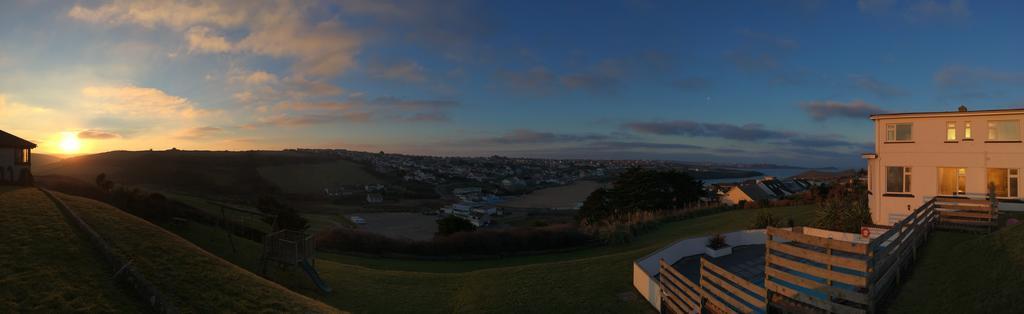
(748, 192)
(374, 198)
(763, 190)
(15, 159)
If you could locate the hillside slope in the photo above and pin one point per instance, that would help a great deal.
(193, 279)
(961, 273)
(197, 171)
(45, 266)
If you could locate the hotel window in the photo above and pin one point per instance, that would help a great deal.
(898, 132)
(952, 181)
(1004, 130)
(1004, 180)
(967, 130)
(950, 131)
(897, 179)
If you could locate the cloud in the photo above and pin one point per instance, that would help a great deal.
(759, 51)
(140, 102)
(203, 39)
(451, 27)
(876, 87)
(958, 76)
(692, 84)
(317, 47)
(97, 135)
(821, 110)
(407, 71)
(753, 133)
(537, 79)
(931, 10)
(603, 77)
(524, 136)
(875, 6)
(199, 132)
(357, 110)
(747, 132)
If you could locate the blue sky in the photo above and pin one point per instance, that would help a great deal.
(735, 81)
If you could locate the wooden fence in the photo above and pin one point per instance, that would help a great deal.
(805, 270)
(843, 276)
(726, 292)
(967, 214)
(678, 294)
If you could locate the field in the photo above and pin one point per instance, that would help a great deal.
(45, 266)
(585, 280)
(183, 271)
(313, 178)
(966, 273)
(414, 226)
(562, 197)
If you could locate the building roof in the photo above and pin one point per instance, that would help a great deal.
(947, 113)
(8, 140)
(754, 191)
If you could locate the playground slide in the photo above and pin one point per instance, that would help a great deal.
(315, 277)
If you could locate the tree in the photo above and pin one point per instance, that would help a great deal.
(103, 183)
(453, 224)
(637, 190)
(282, 216)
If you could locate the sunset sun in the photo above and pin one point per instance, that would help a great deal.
(69, 143)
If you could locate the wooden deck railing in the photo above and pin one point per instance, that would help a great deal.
(730, 293)
(678, 293)
(826, 274)
(967, 214)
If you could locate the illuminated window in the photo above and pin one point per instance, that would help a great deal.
(1004, 130)
(898, 132)
(950, 131)
(1004, 181)
(897, 179)
(952, 181)
(967, 129)
(25, 156)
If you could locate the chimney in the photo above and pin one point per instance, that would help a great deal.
(962, 108)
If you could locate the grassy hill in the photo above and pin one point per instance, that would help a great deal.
(45, 266)
(964, 273)
(52, 270)
(223, 173)
(40, 161)
(313, 178)
(592, 280)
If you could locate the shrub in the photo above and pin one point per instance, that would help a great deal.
(765, 219)
(453, 224)
(637, 190)
(845, 209)
(717, 241)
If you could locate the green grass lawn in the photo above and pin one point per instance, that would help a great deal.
(313, 178)
(195, 280)
(45, 266)
(593, 280)
(966, 273)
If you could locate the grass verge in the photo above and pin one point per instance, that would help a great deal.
(46, 267)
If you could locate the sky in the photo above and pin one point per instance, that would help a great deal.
(789, 82)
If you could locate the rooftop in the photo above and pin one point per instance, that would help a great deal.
(8, 140)
(959, 113)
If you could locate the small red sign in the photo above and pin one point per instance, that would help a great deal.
(865, 232)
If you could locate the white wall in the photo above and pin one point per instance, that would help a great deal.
(645, 268)
(7, 161)
(930, 151)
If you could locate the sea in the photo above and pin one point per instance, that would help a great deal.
(780, 173)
